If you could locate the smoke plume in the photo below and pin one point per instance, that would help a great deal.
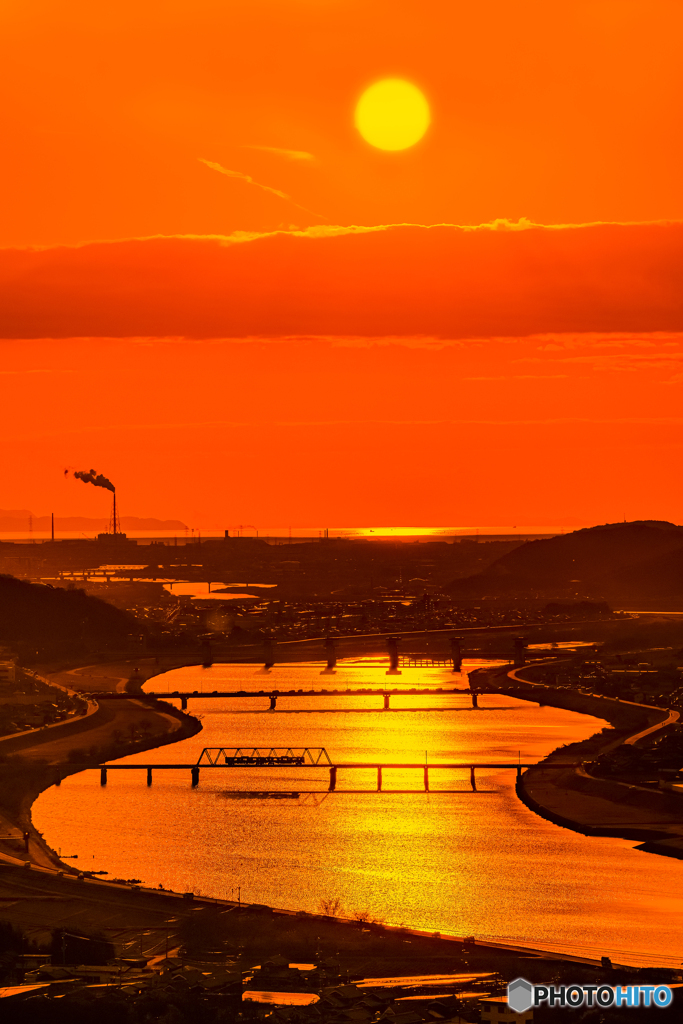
(92, 477)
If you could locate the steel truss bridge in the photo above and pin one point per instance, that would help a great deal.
(262, 757)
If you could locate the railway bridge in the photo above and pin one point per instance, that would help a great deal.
(296, 758)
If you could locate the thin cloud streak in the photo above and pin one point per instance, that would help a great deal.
(289, 154)
(269, 424)
(23, 373)
(524, 376)
(250, 181)
(627, 361)
(244, 177)
(500, 224)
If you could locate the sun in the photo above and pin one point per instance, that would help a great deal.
(392, 114)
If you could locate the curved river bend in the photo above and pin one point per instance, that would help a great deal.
(459, 862)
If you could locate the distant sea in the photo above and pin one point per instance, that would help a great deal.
(298, 533)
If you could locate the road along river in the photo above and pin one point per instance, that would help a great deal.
(456, 862)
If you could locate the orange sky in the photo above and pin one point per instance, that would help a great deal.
(561, 114)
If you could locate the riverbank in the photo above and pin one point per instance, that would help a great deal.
(93, 904)
(32, 761)
(39, 891)
(592, 806)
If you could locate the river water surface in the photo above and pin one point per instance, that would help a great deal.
(452, 860)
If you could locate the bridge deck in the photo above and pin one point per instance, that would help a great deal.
(332, 769)
(339, 764)
(187, 694)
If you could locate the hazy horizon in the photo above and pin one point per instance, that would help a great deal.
(405, 533)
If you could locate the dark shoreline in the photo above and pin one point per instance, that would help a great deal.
(594, 806)
(32, 762)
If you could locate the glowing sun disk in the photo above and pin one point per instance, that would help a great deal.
(392, 114)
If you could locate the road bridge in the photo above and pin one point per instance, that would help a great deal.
(184, 696)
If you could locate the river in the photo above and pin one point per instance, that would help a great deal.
(456, 862)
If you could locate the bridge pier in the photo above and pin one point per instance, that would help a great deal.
(183, 703)
(456, 654)
(195, 776)
(472, 779)
(103, 776)
(149, 776)
(519, 652)
(331, 654)
(379, 778)
(386, 702)
(474, 700)
(392, 645)
(269, 652)
(273, 702)
(426, 779)
(333, 779)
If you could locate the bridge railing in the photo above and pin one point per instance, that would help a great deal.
(412, 661)
(250, 757)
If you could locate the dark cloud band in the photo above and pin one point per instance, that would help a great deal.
(403, 280)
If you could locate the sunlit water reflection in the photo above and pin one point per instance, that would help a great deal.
(456, 862)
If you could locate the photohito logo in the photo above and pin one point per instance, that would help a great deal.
(522, 995)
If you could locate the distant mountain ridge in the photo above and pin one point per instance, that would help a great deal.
(622, 563)
(18, 520)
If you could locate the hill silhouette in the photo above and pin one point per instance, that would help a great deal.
(39, 620)
(621, 563)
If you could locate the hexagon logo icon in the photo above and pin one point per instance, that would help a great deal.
(520, 995)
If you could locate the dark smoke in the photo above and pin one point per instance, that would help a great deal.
(92, 477)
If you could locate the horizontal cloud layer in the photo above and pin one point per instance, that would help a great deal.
(402, 280)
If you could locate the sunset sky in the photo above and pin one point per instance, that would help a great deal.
(216, 291)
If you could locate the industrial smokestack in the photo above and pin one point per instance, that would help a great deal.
(93, 477)
(114, 525)
(99, 480)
